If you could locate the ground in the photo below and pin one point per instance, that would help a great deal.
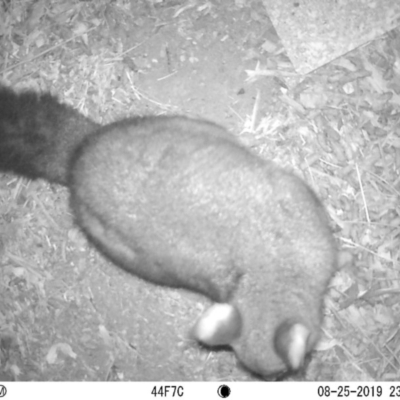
(68, 314)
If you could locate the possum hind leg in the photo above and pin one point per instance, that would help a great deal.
(118, 249)
(166, 269)
(106, 240)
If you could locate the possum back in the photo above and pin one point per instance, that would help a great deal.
(150, 193)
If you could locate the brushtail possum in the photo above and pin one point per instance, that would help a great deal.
(179, 202)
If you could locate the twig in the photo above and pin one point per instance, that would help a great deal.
(46, 51)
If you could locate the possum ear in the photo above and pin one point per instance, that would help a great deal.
(218, 326)
(292, 343)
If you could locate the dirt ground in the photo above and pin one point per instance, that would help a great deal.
(66, 313)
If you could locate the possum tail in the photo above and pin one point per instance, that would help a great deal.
(38, 134)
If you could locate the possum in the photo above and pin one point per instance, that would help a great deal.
(179, 202)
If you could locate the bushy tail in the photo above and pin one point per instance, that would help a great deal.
(38, 134)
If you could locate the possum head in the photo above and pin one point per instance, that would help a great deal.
(272, 322)
(266, 351)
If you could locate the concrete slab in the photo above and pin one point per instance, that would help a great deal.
(315, 32)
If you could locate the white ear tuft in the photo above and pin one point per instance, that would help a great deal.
(219, 325)
(291, 343)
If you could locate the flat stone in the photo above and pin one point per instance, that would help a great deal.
(315, 32)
